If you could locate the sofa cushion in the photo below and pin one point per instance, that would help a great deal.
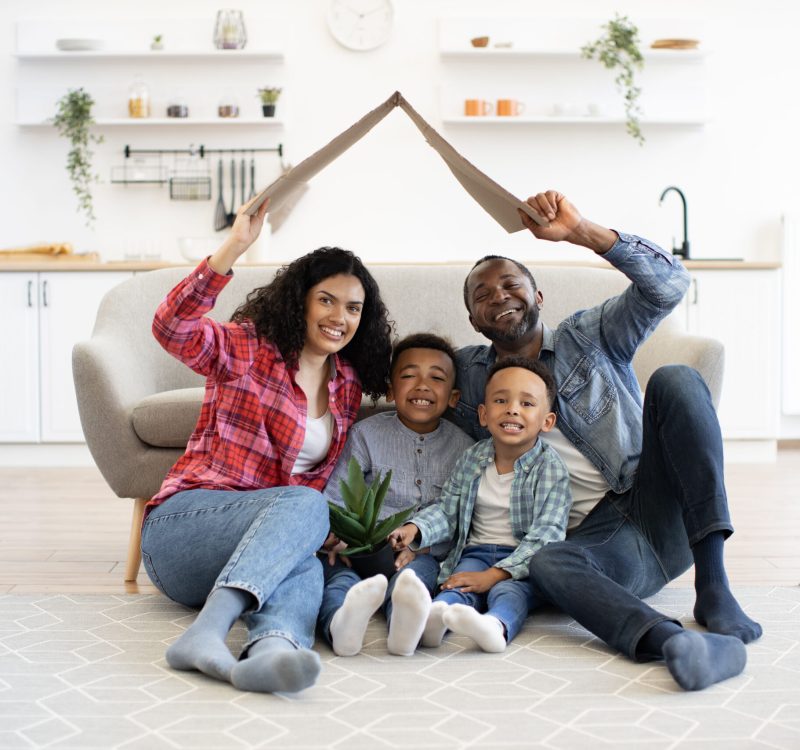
(167, 419)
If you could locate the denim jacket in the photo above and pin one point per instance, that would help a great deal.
(599, 402)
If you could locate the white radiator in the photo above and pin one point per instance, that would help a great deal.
(790, 391)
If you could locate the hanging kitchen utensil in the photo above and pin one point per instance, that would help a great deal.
(220, 214)
(243, 179)
(252, 179)
(232, 213)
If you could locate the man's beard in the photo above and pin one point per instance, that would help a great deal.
(514, 333)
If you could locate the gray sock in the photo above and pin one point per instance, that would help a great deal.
(697, 660)
(274, 665)
(202, 647)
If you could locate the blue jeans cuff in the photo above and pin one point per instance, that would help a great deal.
(273, 633)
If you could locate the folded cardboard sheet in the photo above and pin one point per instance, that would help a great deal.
(501, 205)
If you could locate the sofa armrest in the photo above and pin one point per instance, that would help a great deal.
(706, 355)
(110, 379)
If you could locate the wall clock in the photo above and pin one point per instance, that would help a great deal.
(360, 24)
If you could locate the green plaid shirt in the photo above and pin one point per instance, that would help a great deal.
(539, 506)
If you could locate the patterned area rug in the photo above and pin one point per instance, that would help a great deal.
(83, 671)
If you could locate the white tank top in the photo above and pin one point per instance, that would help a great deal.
(317, 442)
(491, 517)
(587, 484)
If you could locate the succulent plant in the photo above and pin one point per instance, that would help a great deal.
(358, 522)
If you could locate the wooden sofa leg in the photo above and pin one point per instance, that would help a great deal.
(134, 559)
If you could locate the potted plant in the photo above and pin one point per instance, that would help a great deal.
(73, 119)
(358, 523)
(157, 43)
(269, 96)
(618, 48)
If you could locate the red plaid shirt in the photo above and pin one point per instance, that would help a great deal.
(252, 423)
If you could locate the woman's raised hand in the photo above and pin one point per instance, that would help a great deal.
(246, 228)
(244, 233)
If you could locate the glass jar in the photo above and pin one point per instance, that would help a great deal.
(138, 99)
(228, 106)
(177, 107)
(229, 31)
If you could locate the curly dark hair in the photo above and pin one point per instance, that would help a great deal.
(537, 367)
(278, 312)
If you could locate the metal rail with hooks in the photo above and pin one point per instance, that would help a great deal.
(201, 151)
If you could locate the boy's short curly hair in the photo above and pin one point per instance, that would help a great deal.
(526, 363)
(278, 312)
(422, 341)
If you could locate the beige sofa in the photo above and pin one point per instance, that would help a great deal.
(138, 405)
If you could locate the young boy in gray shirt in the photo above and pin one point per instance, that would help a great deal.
(420, 448)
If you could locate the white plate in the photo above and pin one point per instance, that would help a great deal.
(76, 45)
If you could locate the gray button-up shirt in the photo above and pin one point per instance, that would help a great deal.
(420, 464)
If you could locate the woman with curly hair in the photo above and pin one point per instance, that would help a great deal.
(239, 518)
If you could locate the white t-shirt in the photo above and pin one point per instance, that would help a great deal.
(587, 484)
(491, 517)
(317, 442)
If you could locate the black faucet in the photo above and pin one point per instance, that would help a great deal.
(683, 250)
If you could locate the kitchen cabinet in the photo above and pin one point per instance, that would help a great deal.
(19, 365)
(44, 315)
(741, 308)
(538, 62)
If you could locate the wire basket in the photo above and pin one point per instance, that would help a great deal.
(139, 172)
(190, 188)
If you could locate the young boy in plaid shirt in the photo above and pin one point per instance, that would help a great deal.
(507, 497)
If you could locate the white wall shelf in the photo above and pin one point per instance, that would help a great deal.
(538, 63)
(479, 53)
(189, 67)
(547, 120)
(139, 55)
(131, 122)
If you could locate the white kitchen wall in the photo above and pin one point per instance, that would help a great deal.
(390, 198)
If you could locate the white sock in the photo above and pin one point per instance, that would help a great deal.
(435, 628)
(485, 630)
(349, 624)
(411, 603)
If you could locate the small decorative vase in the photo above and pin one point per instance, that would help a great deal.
(229, 31)
(268, 110)
(368, 564)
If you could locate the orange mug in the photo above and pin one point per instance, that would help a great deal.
(477, 107)
(509, 107)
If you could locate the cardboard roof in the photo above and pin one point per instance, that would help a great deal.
(501, 205)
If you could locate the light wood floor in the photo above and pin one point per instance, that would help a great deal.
(64, 531)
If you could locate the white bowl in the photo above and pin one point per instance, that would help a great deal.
(194, 249)
(79, 45)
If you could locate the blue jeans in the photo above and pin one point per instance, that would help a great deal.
(339, 579)
(509, 601)
(261, 541)
(632, 544)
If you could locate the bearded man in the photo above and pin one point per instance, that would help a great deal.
(646, 476)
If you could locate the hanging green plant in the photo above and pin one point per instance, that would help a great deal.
(618, 47)
(73, 119)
